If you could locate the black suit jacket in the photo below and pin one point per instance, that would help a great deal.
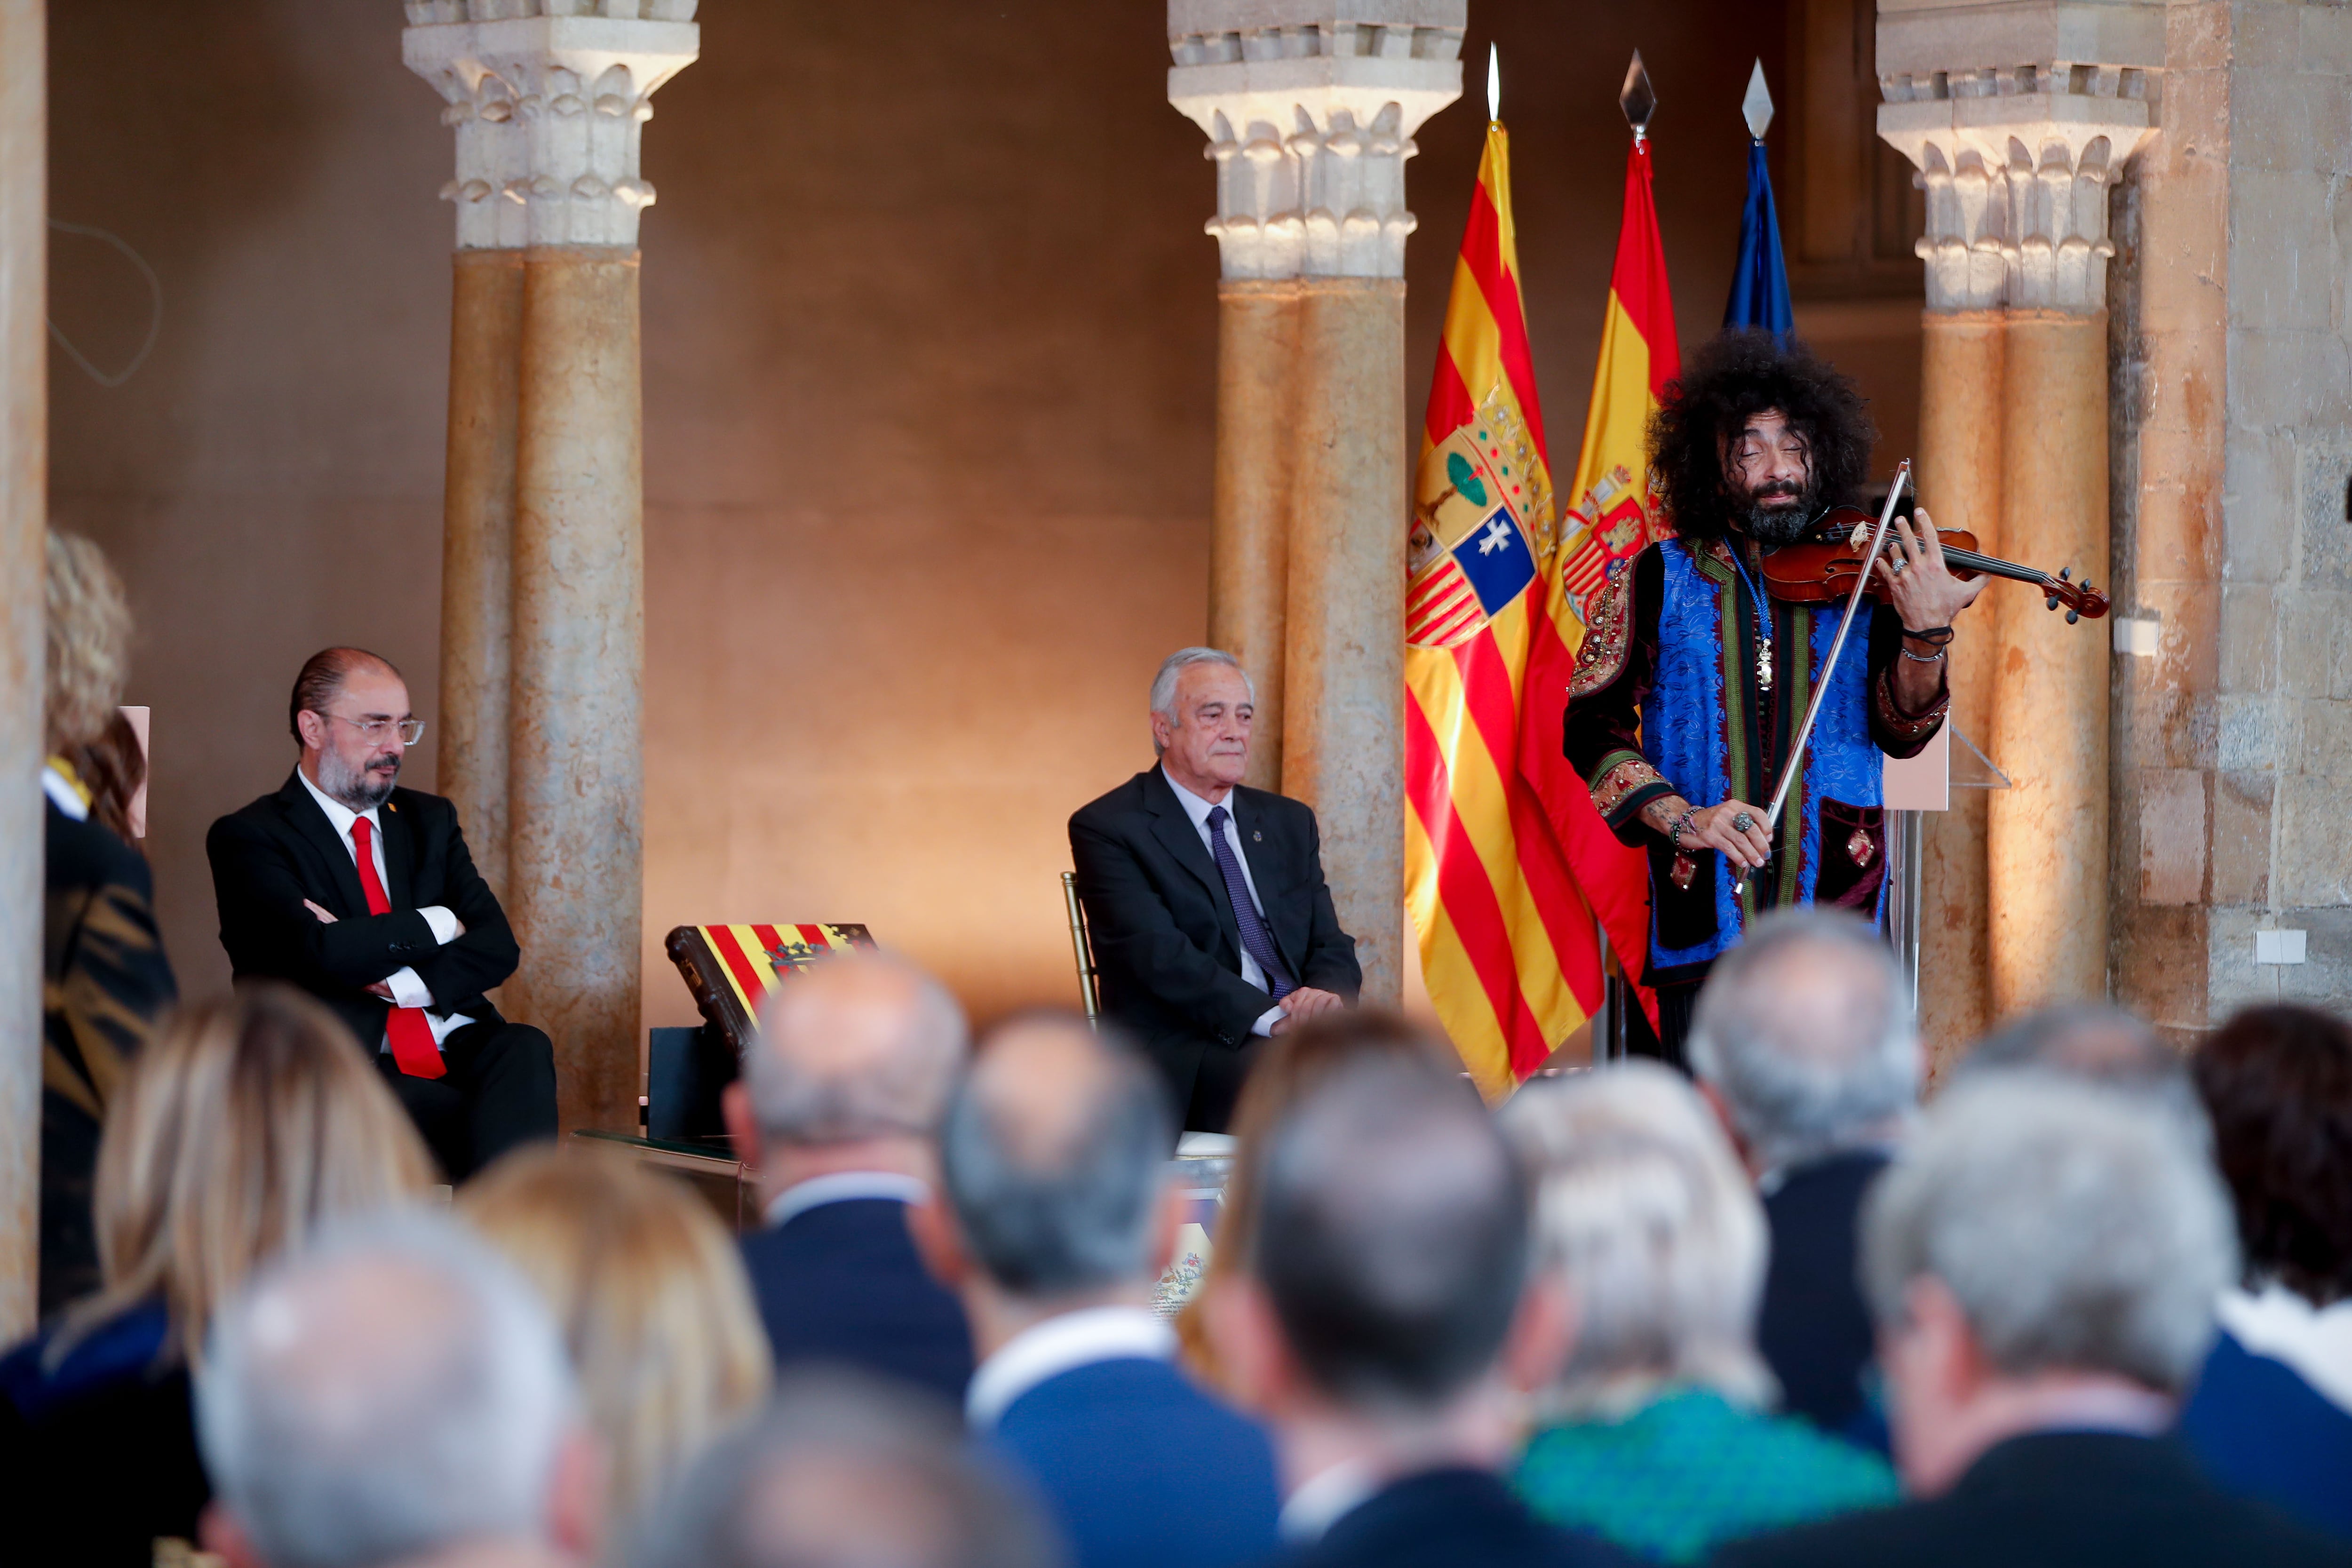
(841, 1282)
(1814, 1330)
(269, 856)
(1450, 1518)
(1163, 930)
(2067, 1499)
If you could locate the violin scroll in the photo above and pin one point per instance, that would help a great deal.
(2080, 598)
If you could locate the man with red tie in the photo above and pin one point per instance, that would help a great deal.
(363, 894)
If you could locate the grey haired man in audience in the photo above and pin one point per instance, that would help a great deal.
(1803, 1041)
(846, 1471)
(2042, 1261)
(394, 1395)
(1058, 1220)
(838, 1106)
(1386, 1325)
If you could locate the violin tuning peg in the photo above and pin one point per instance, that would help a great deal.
(2073, 616)
(2051, 603)
(2063, 571)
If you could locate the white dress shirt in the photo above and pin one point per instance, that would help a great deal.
(1324, 1499)
(1057, 1346)
(1198, 810)
(841, 1186)
(409, 988)
(2315, 1341)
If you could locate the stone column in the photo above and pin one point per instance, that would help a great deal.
(1309, 107)
(557, 101)
(477, 548)
(1249, 528)
(2017, 161)
(23, 505)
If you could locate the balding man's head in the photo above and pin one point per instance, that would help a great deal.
(1392, 1235)
(1804, 1033)
(394, 1390)
(857, 1046)
(1052, 1155)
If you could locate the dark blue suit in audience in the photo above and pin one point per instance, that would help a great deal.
(1813, 1330)
(841, 1282)
(1142, 1469)
(1450, 1518)
(2262, 1432)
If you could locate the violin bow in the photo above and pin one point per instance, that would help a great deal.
(1796, 762)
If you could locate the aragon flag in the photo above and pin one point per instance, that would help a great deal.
(1508, 942)
(1612, 512)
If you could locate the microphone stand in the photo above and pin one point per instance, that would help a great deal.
(1795, 764)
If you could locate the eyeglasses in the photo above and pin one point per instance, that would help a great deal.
(410, 730)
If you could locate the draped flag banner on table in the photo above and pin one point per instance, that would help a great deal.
(1507, 941)
(1612, 514)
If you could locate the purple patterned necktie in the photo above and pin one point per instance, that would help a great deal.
(1254, 940)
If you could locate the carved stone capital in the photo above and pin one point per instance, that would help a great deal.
(1310, 107)
(2016, 163)
(548, 99)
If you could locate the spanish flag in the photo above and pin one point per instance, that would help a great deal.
(1612, 512)
(1507, 941)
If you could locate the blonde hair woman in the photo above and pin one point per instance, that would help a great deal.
(246, 1124)
(655, 1309)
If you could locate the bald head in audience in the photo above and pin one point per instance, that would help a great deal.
(851, 1071)
(1385, 1321)
(843, 1472)
(1804, 1041)
(396, 1395)
(2094, 1040)
(1053, 1162)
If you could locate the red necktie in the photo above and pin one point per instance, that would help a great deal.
(411, 1036)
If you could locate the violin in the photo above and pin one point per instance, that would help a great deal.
(1820, 570)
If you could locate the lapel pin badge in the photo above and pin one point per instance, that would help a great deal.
(1257, 838)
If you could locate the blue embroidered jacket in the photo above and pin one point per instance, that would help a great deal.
(1671, 697)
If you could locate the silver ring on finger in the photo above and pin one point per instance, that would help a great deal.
(1895, 564)
(1743, 822)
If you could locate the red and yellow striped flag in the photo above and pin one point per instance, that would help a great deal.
(1508, 942)
(1612, 513)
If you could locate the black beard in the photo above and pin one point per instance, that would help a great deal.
(355, 790)
(1778, 524)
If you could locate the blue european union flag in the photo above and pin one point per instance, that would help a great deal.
(1496, 561)
(1760, 284)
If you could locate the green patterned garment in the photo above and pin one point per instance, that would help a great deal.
(1691, 1471)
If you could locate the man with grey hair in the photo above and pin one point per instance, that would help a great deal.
(394, 1395)
(837, 1107)
(2042, 1263)
(1059, 1215)
(1212, 925)
(843, 1471)
(1385, 1323)
(1803, 1042)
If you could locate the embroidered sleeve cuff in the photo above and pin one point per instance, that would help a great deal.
(1895, 723)
(1624, 784)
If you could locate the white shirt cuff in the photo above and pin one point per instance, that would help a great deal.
(444, 923)
(407, 989)
(1267, 1021)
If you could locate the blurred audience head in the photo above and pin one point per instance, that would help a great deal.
(843, 1472)
(1390, 1253)
(395, 1394)
(2047, 1252)
(1052, 1157)
(350, 713)
(248, 1122)
(2276, 1082)
(1805, 1040)
(856, 1050)
(87, 646)
(2094, 1040)
(1645, 1215)
(651, 1294)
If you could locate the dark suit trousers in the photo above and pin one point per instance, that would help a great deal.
(499, 1091)
(1204, 1080)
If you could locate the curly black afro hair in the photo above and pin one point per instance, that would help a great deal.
(1739, 375)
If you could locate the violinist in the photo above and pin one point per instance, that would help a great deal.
(1693, 677)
